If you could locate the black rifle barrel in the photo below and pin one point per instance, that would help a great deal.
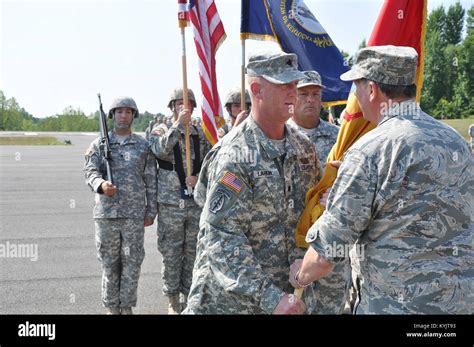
(104, 140)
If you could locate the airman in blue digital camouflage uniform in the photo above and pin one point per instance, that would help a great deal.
(404, 195)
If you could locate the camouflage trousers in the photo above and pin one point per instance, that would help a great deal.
(332, 291)
(119, 243)
(177, 237)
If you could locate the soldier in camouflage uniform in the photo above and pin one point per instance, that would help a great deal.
(233, 107)
(403, 196)
(331, 291)
(122, 209)
(159, 127)
(157, 121)
(306, 117)
(150, 127)
(178, 214)
(258, 178)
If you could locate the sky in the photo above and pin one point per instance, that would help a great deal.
(55, 54)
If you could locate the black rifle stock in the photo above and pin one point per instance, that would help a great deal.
(104, 142)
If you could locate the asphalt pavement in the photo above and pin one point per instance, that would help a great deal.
(46, 215)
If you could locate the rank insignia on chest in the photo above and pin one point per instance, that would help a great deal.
(305, 163)
(305, 167)
(218, 200)
(232, 181)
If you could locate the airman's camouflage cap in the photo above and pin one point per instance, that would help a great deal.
(275, 66)
(386, 64)
(312, 78)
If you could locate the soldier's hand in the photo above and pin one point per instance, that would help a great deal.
(240, 118)
(184, 116)
(335, 163)
(108, 188)
(290, 304)
(331, 119)
(158, 131)
(191, 181)
(148, 221)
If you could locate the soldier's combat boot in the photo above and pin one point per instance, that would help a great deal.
(112, 310)
(126, 310)
(174, 306)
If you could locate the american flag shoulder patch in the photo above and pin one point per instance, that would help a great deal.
(232, 181)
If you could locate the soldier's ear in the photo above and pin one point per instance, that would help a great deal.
(374, 91)
(256, 88)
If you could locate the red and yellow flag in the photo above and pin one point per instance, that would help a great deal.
(400, 23)
(183, 13)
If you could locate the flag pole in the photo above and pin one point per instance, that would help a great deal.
(242, 77)
(182, 20)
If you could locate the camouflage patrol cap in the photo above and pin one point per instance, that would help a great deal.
(312, 78)
(233, 97)
(177, 94)
(123, 101)
(385, 64)
(275, 66)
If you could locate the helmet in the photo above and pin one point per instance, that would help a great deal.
(233, 97)
(177, 94)
(123, 101)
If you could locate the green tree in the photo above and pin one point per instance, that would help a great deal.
(448, 75)
(466, 60)
(141, 123)
(347, 58)
(437, 22)
(454, 24)
(433, 84)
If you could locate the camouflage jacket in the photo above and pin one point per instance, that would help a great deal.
(162, 144)
(404, 193)
(246, 240)
(323, 139)
(134, 173)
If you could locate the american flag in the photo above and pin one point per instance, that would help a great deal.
(209, 33)
(232, 181)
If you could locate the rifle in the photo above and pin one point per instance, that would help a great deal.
(104, 141)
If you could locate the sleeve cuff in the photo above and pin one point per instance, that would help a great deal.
(97, 186)
(327, 245)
